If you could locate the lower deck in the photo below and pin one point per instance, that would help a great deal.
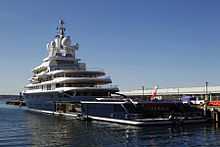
(134, 122)
(120, 111)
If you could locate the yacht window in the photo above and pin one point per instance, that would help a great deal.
(59, 85)
(48, 87)
(130, 108)
(118, 108)
(59, 75)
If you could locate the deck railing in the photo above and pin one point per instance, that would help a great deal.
(107, 86)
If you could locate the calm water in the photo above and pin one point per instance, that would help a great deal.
(22, 128)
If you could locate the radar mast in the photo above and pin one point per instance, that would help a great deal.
(61, 29)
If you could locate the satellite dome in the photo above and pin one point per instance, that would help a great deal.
(66, 41)
(48, 45)
(76, 45)
(52, 44)
(56, 41)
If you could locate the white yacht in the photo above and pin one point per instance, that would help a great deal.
(61, 77)
(63, 85)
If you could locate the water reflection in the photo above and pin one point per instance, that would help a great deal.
(23, 128)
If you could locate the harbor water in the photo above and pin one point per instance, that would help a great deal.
(19, 127)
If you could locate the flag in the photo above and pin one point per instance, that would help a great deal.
(154, 93)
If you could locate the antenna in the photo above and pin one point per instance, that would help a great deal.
(61, 29)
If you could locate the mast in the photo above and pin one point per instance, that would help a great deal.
(60, 28)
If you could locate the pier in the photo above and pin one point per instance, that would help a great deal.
(211, 95)
(212, 92)
(213, 110)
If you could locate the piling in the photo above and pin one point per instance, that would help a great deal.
(206, 100)
(216, 116)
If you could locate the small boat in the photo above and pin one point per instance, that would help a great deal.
(16, 102)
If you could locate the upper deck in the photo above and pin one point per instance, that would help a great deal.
(61, 68)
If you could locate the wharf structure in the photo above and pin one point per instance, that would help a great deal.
(209, 93)
(212, 92)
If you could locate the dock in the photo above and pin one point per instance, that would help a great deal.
(213, 92)
(214, 111)
(16, 102)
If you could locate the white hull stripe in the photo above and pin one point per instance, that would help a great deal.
(147, 122)
(132, 122)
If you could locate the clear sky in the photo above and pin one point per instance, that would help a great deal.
(172, 43)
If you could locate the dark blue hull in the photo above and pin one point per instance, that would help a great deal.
(47, 101)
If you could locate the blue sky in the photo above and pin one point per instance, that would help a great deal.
(171, 43)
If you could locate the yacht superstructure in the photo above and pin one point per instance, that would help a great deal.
(62, 77)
